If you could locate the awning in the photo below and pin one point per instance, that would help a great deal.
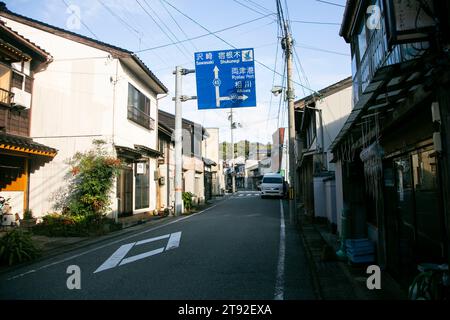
(137, 153)
(128, 153)
(209, 162)
(148, 151)
(25, 145)
(388, 95)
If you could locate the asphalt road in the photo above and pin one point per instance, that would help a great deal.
(236, 250)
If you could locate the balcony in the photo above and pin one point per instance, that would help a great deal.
(379, 55)
(6, 97)
(138, 116)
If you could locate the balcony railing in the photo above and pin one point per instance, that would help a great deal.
(6, 97)
(378, 55)
(141, 118)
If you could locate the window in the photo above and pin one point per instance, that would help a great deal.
(17, 81)
(273, 180)
(28, 84)
(142, 179)
(362, 40)
(139, 108)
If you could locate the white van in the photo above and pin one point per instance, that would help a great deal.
(272, 185)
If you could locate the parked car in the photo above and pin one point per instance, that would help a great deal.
(273, 185)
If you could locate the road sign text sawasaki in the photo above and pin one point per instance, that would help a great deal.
(225, 79)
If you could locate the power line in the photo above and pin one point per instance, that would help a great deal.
(81, 21)
(321, 50)
(119, 18)
(248, 7)
(331, 3)
(260, 6)
(228, 43)
(167, 27)
(316, 22)
(202, 35)
(273, 83)
(176, 22)
(132, 29)
(159, 26)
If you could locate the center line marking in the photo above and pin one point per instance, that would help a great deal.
(279, 285)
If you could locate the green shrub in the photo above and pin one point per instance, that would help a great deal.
(28, 215)
(57, 225)
(90, 178)
(187, 200)
(16, 247)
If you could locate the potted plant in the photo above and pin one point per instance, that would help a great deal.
(28, 220)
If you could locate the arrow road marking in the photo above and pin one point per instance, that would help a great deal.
(174, 241)
(118, 257)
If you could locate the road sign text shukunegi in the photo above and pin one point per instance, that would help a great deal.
(225, 79)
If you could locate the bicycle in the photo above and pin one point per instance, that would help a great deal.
(432, 283)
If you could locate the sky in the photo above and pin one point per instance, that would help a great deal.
(322, 56)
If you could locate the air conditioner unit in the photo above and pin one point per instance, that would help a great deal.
(22, 99)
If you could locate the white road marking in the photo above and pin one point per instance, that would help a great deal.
(279, 285)
(109, 244)
(116, 257)
(141, 256)
(174, 241)
(152, 239)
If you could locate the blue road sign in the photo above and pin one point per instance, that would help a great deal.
(225, 79)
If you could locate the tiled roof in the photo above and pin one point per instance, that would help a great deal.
(24, 144)
(28, 42)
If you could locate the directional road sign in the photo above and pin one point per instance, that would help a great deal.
(225, 79)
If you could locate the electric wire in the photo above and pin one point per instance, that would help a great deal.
(226, 42)
(81, 20)
(189, 53)
(159, 26)
(177, 24)
(331, 3)
(202, 35)
(250, 8)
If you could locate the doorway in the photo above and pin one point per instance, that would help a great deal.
(125, 191)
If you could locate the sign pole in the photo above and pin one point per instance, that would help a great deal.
(179, 98)
(233, 173)
(178, 145)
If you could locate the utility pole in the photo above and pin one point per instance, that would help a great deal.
(179, 98)
(287, 43)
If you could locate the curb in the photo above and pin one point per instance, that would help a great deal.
(312, 264)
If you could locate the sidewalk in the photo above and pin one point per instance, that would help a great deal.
(337, 280)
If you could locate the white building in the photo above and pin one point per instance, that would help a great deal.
(92, 90)
(210, 150)
(319, 118)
